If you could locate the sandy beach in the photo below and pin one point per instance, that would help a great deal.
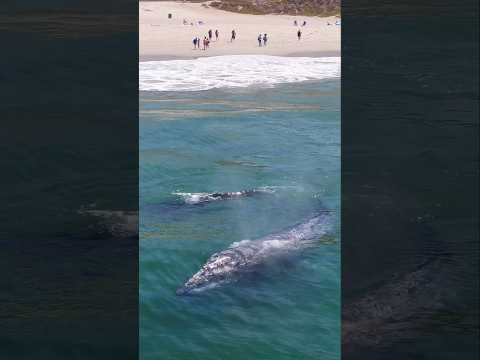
(163, 38)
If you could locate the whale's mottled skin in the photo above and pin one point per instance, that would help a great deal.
(245, 256)
(232, 194)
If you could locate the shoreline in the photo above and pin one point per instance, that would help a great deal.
(164, 38)
(167, 57)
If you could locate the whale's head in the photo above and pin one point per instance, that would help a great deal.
(219, 269)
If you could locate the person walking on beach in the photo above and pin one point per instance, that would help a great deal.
(198, 43)
(234, 34)
(195, 44)
(259, 40)
(299, 34)
(216, 35)
(265, 40)
(204, 43)
(210, 34)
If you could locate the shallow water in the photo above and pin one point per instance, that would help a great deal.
(286, 138)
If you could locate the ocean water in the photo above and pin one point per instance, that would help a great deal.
(279, 134)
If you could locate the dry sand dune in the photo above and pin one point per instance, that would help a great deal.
(164, 38)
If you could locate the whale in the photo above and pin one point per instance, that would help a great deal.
(248, 256)
(200, 198)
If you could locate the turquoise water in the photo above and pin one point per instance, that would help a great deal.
(285, 137)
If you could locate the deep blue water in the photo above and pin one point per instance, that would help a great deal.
(285, 137)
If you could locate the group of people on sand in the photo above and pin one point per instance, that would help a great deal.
(299, 32)
(205, 43)
(207, 39)
(295, 23)
(261, 38)
(197, 43)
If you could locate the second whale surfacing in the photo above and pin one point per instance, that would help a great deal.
(247, 255)
(199, 198)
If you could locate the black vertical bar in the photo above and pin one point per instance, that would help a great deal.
(69, 138)
(410, 179)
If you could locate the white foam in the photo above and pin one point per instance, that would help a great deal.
(233, 71)
(195, 198)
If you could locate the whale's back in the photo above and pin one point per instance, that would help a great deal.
(246, 255)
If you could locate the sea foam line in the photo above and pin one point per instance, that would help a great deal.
(233, 71)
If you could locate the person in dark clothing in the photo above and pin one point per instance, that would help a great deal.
(265, 40)
(299, 34)
(210, 34)
(195, 44)
(234, 35)
(216, 35)
(259, 39)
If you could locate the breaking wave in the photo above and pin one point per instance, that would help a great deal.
(233, 71)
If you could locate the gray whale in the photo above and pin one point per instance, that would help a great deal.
(199, 198)
(245, 256)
